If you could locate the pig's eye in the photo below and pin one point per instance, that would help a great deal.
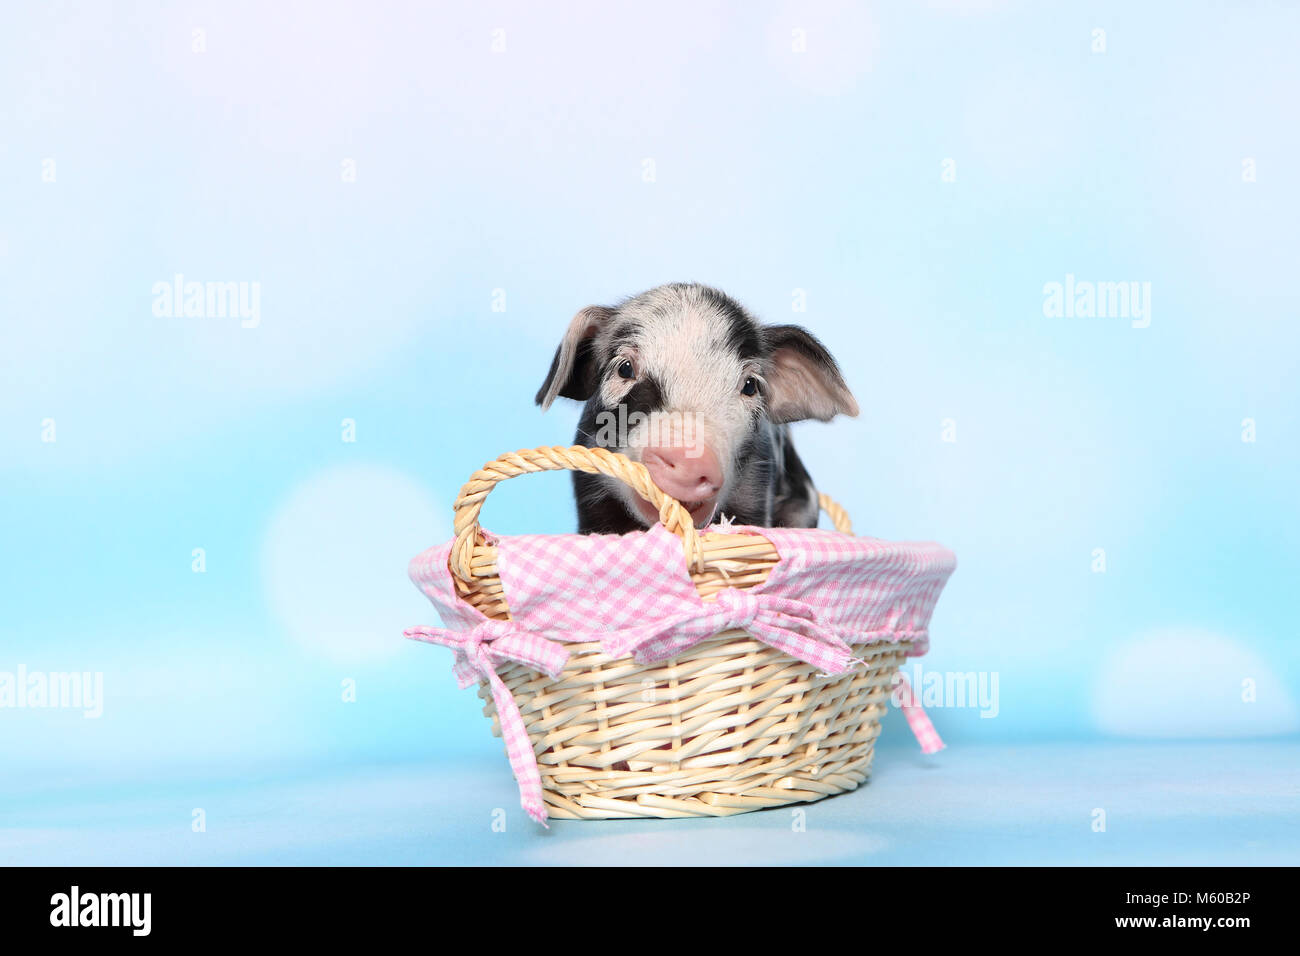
(625, 369)
(750, 387)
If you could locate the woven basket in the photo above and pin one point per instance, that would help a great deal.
(728, 726)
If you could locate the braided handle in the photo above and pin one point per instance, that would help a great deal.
(839, 517)
(573, 458)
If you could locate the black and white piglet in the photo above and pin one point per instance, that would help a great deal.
(684, 380)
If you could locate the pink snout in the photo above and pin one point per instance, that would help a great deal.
(691, 474)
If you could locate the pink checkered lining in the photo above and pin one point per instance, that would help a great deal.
(633, 594)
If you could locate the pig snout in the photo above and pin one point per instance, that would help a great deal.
(691, 474)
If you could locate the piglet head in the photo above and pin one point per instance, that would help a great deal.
(684, 380)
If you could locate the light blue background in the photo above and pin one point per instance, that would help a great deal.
(524, 171)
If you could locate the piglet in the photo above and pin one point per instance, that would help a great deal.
(685, 381)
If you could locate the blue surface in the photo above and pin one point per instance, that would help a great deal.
(1177, 804)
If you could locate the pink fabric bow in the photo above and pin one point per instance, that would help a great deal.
(479, 651)
(783, 623)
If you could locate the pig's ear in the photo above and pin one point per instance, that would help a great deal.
(803, 380)
(573, 371)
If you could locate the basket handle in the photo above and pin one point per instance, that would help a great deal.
(839, 517)
(555, 458)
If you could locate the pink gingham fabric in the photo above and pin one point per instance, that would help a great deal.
(863, 587)
(634, 595)
(479, 651)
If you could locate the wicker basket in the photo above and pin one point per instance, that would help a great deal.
(729, 726)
